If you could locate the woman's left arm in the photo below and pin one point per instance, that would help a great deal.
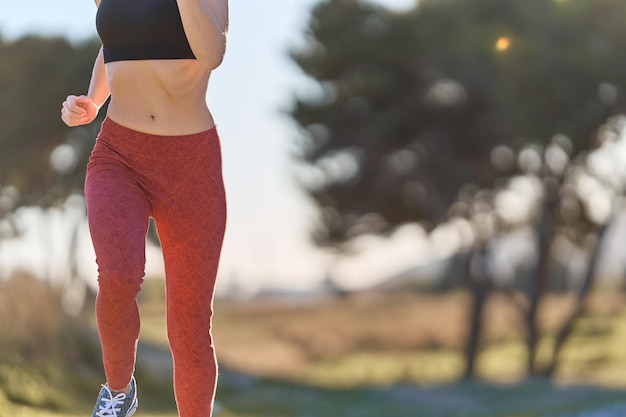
(206, 27)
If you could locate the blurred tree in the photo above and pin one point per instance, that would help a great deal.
(422, 116)
(387, 126)
(41, 162)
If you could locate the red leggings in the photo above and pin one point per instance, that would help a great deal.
(177, 180)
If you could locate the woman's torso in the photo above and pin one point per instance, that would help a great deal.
(158, 96)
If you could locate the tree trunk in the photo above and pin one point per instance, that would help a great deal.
(478, 282)
(539, 285)
(579, 311)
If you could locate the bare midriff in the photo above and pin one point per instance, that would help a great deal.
(160, 97)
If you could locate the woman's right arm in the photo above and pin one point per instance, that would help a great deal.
(81, 110)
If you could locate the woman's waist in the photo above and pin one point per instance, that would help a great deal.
(158, 118)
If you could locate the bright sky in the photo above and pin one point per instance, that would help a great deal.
(266, 243)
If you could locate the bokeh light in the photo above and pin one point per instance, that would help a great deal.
(503, 44)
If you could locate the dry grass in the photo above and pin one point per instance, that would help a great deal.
(270, 336)
(379, 338)
(31, 316)
(46, 353)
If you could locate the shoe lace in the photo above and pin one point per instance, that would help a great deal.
(112, 405)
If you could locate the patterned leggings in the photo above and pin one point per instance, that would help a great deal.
(177, 180)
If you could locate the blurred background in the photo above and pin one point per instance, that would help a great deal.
(426, 211)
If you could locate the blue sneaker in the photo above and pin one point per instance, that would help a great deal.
(116, 404)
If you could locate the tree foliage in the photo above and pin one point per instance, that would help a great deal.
(36, 74)
(412, 107)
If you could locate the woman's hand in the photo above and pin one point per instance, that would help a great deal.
(78, 110)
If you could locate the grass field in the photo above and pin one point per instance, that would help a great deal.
(377, 340)
(370, 355)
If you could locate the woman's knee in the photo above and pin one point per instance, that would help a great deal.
(184, 338)
(120, 284)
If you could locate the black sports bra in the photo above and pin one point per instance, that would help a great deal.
(142, 29)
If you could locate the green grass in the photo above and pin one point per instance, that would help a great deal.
(241, 396)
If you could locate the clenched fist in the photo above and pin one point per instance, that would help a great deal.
(78, 110)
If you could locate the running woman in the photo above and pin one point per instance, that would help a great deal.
(157, 155)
